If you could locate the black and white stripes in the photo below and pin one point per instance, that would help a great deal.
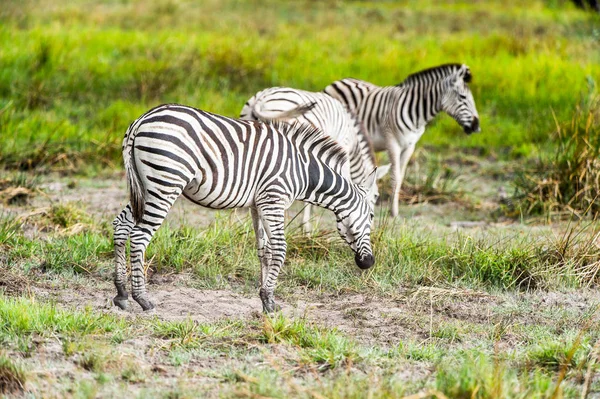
(329, 115)
(395, 117)
(224, 163)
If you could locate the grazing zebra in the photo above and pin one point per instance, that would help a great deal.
(330, 116)
(395, 117)
(224, 163)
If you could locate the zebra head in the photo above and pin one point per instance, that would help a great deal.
(458, 102)
(354, 222)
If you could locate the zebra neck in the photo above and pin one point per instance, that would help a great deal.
(326, 187)
(362, 159)
(428, 97)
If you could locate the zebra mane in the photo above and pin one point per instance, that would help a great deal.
(309, 137)
(440, 71)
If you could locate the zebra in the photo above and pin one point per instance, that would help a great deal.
(332, 117)
(395, 117)
(223, 163)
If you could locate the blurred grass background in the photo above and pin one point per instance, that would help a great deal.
(74, 74)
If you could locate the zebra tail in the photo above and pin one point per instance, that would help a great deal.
(281, 116)
(137, 193)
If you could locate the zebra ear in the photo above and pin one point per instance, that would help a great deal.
(382, 171)
(369, 181)
(466, 74)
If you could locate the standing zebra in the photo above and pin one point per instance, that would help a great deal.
(395, 117)
(330, 116)
(224, 163)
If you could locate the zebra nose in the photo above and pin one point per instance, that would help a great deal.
(364, 262)
(475, 125)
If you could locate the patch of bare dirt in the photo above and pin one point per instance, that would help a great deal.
(173, 301)
(385, 321)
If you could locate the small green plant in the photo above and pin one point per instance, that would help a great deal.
(420, 352)
(67, 215)
(185, 333)
(92, 360)
(447, 332)
(438, 183)
(554, 355)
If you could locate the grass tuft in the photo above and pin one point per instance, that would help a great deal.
(327, 348)
(12, 376)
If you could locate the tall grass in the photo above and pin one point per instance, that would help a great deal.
(75, 75)
(568, 181)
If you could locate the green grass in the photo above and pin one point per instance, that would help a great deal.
(223, 255)
(467, 318)
(74, 75)
(23, 317)
(327, 348)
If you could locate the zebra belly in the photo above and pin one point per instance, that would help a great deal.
(215, 195)
(378, 142)
(409, 139)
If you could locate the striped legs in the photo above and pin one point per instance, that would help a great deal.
(123, 225)
(399, 158)
(263, 246)
(394, 152)
(273, 223)
(156, 210)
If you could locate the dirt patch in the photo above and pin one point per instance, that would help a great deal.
(368, 319)
(173, 301)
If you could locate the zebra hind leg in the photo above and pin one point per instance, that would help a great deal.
(123, 224)
(156, 210)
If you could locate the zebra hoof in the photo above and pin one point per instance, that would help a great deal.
(268, 302)
(271, 308)
(121, 302)
(145, 303)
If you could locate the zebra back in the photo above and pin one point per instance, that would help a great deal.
(351, 92)
(317, 109)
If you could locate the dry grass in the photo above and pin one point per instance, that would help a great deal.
(17, 190)
(12, 376)
(567, 184)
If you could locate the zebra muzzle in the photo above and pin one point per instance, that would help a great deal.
(364, 262)
(474, 127)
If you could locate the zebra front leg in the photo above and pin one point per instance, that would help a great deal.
(306, 225)
(273, 222)
(262, 245)
(123, 224)
(394, 152)
(399, 171)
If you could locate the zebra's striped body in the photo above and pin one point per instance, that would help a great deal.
(224, 163)
(395, 117)
(329, 115)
